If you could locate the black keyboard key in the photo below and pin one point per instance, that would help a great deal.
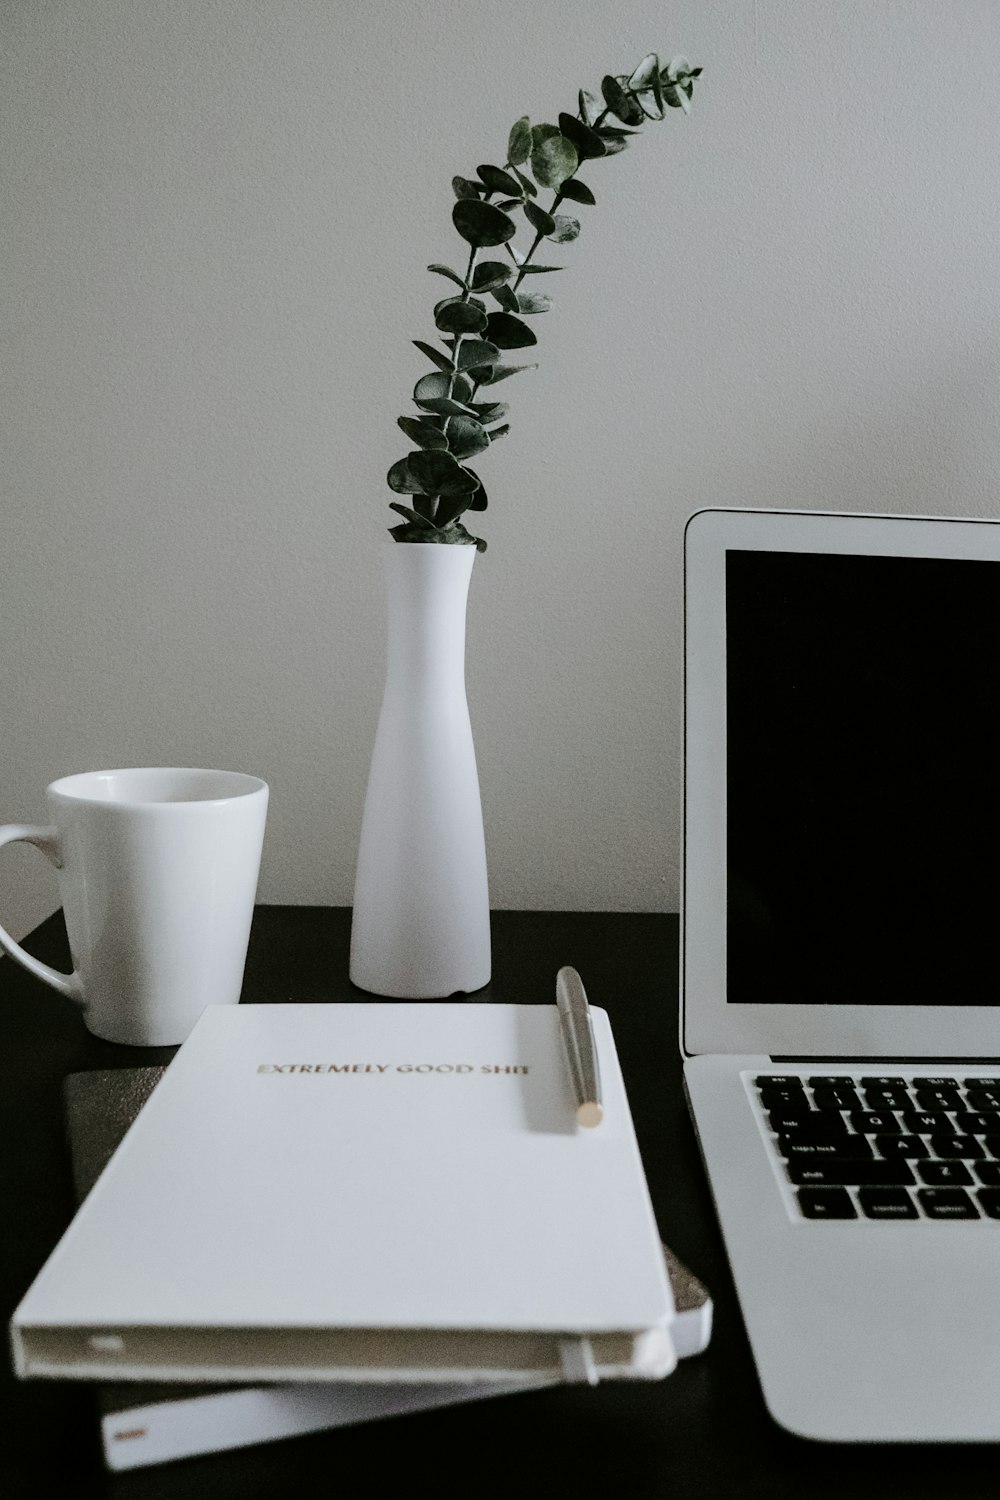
(774, 1097)
(937, 1083)
(887, 1203)
(947, 1203)
(989, 1202)
(778, 1080)
(838, 1098)
(826, 1203)
(941, 1095)
(964, 1146)
(901, 1145)
(811, 1125)
(983, 1122)
(887, 1098)
(988, 1173)
(926, 1122)
(855, 1147)
(983, 1093)
(876, 1122)
(944, 1173)
(843, 1171)
(831, 1081)
(992, 1144)
(880, 1081)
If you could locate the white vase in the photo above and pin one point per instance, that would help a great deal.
(421, 924)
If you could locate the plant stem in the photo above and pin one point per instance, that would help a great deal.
(457, 339)
(557, 199)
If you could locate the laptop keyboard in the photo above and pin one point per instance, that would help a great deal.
(858, 1145)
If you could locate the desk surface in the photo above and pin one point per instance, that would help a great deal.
(704, 1432)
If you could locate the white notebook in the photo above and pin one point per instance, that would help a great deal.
(362, 1192)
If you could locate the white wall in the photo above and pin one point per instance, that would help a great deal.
(216, 218)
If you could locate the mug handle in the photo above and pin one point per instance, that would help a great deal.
(46, 839)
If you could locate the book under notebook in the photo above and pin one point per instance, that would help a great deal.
(362, 1192)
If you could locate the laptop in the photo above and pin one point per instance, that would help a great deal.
(840, 1017)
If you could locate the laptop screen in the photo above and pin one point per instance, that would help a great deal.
(863, 779)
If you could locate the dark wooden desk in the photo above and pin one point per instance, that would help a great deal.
(704, 1432)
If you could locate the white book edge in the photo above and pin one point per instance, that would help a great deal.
(219, 1421)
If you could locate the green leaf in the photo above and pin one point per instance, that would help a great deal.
(473, 352)
(539, 219)
(579, 192)
(508, 332)
(454, 315)
(451, 535)
(540, 270)
(506, 297)
(533, 302)
(504, 372)
(490, 411)
(478, 500)
(422, 432)
(644, 74)
(450, 509)
(540, 133)
(431, 473)
(553, 160)
(498, 432)
(613, 147)
(482, 223)
(566, 229)
(444, 406)
(507, 203)
(526, 182)
(436, 388)
(436, 356)
(620, 102)
(451, 275)
(589, 109)
(466, 436)
(490, 274)
(587, 142)
(499, 181)
(463, 188)
(519, 143)
(675, 80)
(419, 522)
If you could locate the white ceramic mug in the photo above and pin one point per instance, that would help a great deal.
(158, 873)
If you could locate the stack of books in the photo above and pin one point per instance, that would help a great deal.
(324, 1214)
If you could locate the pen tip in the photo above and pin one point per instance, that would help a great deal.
(590, 1113)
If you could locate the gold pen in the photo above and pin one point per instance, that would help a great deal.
(578, 1035)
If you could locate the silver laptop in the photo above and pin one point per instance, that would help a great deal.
(841, 956)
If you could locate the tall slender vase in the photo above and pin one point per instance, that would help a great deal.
(421, 925)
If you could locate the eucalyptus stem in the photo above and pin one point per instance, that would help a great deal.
(451, 425)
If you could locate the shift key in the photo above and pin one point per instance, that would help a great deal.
(847, 1172)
